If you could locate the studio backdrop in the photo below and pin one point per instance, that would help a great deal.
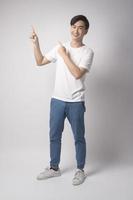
(26, 89)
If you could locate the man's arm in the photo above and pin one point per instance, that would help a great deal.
(40, 59)
(74, 69)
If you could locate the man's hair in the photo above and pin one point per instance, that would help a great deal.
(82, 18)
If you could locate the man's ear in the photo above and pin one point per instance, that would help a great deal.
(86, 31)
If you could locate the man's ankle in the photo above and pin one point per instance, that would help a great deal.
(81, 169)
(54, 168)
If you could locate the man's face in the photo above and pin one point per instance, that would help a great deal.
(78, 31)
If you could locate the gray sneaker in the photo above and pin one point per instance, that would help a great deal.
(79, 177)
(48, 173)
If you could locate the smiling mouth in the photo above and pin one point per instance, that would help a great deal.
(75, 35)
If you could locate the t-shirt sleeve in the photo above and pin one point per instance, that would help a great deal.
(86, 60)
(52, 55)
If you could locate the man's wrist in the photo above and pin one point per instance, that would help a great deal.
(36, 46)
(65, 56)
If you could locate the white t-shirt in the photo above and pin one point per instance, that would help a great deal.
(67, 87)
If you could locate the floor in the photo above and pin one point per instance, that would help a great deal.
(18, 171)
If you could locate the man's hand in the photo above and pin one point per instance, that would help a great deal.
(34, 37)
(62, 50)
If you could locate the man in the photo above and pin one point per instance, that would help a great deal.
(73, 60)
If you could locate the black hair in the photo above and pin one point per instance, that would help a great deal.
(78, 18)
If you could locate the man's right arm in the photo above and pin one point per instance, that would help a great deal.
(40, 59)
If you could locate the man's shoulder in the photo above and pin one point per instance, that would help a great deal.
(66, 44)
(87, 49)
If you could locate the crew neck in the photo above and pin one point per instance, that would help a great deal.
(76, 47)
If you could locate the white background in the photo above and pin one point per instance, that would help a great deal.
(25, 92)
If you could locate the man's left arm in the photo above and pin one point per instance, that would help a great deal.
(74, 69)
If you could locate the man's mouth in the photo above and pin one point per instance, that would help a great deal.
(75, 35)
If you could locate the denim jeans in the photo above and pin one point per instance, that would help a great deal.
(74, 112)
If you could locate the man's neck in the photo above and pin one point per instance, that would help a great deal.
(76, 44)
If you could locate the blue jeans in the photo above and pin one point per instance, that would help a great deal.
(74, 111)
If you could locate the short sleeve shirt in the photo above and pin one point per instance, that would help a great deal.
(67, 87)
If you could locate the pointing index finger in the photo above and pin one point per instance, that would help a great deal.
(33, 29)
(60, 44)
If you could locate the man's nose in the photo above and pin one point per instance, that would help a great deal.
(76, 30)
